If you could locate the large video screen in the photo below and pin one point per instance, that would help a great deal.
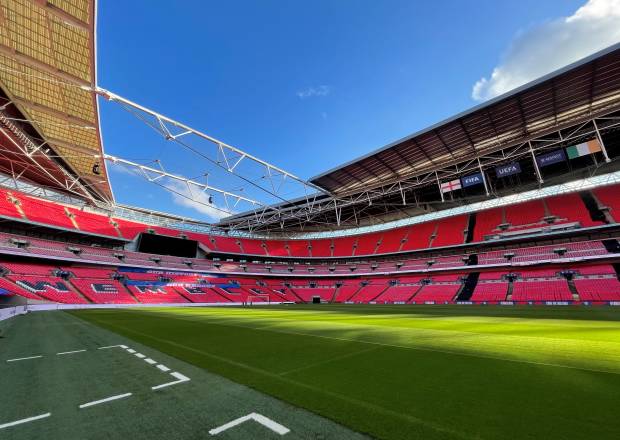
(162, 245)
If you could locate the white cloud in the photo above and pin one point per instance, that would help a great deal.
(552, 45)
(314, 91)
(196, 199)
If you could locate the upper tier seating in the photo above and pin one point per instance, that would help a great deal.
(93, 223)
(252, 247)
(392, 240)
(277, 248)
(487, 222)
(7, 207)
(368, 243)
(419, 236)
(42, 211)
(449, 231)
(321, 248)
(343, 246)
(525, 214)
(298, 248)
(569, 208)
(608, 197)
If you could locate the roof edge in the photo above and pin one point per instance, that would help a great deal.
(474, 109)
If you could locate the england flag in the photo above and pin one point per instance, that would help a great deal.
(450, 186)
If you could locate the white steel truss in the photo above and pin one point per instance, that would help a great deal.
(36, 157)
(223, 156)
(156, 176)
(322, 210)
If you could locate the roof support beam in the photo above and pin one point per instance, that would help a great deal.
(39, 65)
(61, 14)
(53, 112)
(64, 144)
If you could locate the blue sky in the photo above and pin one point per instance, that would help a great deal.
(304, 85)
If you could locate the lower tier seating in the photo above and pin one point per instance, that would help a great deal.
(490, 292)
(598, 289)
(437, 293)
(540, 291)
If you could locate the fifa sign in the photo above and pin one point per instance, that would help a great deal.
(472, 179)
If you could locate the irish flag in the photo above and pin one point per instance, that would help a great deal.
(579, 150)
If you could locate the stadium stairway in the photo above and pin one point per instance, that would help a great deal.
(572, 288)
(612, 246)
(593, 207)
(416, 291)
(471, 226)
(468, 287)
(510, 289)
(129, 292)
(75, 290)
(296, 296)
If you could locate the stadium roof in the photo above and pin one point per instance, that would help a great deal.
(400, 180)
(584, 89)
(47, 70)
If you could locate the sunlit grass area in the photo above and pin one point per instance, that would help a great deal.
(408, 372)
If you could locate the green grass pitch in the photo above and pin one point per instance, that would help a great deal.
(416, 372)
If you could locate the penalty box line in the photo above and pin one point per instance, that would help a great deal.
(180, 378)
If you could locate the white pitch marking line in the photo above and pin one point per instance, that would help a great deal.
(23, 359)
(130, 350)
(181, 378)
(109, 346)
(259, 418)
(140, 355)
(163, 368)
(107, 399)
(29, 419)
(123, 346)
(69, 352)
(150, 361)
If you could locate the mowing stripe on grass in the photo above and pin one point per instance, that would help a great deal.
(405, 347)
(327, 361)
(107, 399)
(346, 399)
(29, 419)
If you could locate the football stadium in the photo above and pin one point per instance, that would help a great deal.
(459, 283)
